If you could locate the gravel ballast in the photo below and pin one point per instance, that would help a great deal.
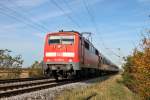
(50, 93)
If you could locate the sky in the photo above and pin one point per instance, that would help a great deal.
(116, 25)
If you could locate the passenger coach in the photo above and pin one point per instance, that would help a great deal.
(68, 54)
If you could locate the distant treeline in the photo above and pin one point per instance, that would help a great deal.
(136, 73)
(13, 65)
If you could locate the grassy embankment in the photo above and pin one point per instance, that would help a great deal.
(110, 89)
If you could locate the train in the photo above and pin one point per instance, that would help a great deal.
(69, 54)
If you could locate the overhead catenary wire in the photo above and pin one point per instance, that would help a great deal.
(17, 19)
(67, 5)
(114, 53)
(12, 14)
(24, 13)
(67, 15)
(93, 22)
(90, 15)
(92, 18)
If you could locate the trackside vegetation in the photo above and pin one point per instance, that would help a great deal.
(36, 69)
(11, 63)
(136, 75)
(110, 89)
(11, 66)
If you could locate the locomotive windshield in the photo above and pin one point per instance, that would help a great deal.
(61, 40)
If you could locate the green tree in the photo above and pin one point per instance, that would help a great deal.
(13, 64)
(36, 70)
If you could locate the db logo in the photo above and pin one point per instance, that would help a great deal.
(58, 54)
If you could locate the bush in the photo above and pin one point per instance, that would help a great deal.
(36, 70)
(137, 70)
(11, 64)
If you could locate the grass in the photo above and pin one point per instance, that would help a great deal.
(110, 89)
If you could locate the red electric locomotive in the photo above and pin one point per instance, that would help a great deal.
(68, 53)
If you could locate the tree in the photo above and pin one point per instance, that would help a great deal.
(36, 70)
(137, 69)
(8, 62)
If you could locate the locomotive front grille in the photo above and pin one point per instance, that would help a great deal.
(60, 66)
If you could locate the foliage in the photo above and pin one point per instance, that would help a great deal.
(36, 69)
(107, 89)
(137, 69)
(13, 64)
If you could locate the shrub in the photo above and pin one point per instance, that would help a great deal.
(137, 70)
(36, 70)
(13, 64)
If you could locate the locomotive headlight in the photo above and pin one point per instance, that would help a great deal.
(70, 60)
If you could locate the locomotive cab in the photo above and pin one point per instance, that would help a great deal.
(60, 54)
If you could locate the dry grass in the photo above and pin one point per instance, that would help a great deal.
(110, 89)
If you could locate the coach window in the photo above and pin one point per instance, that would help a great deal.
(104, 61)
(86, 44)
(91, 49)
(96, 52)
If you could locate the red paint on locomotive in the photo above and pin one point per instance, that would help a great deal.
(59, 51)
(65, 51)
(75, 52)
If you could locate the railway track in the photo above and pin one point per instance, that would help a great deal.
(20, 80)
(15, 88)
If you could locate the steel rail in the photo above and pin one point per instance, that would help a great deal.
(9, 86)
(30, 89)
(20, 80)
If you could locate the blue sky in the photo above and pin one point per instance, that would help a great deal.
(117, 24)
